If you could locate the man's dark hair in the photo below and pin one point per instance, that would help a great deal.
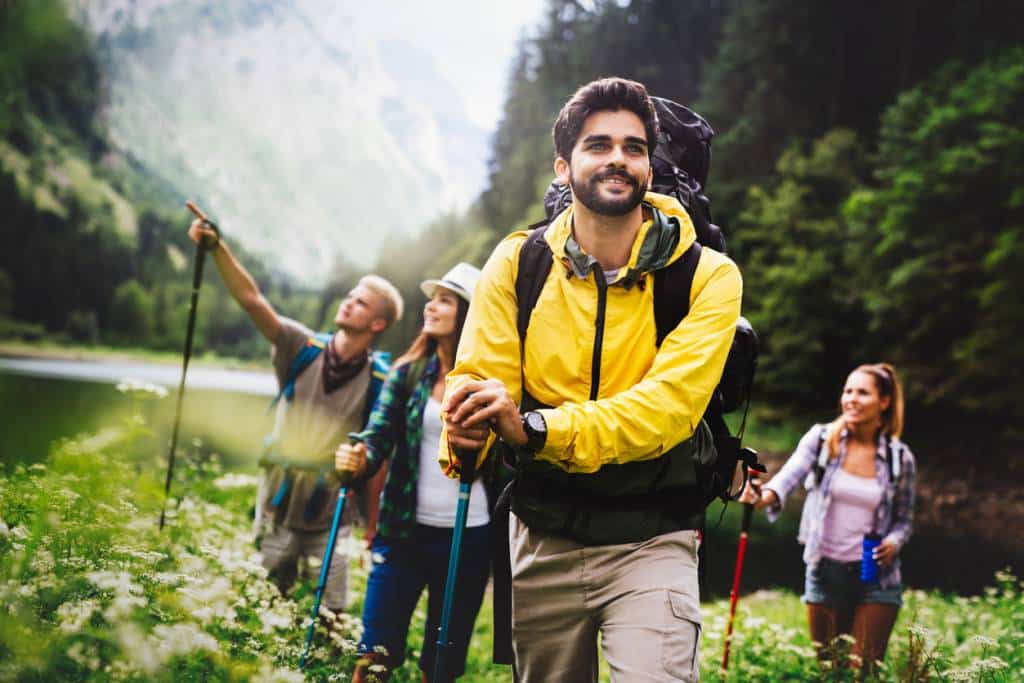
(605, 94)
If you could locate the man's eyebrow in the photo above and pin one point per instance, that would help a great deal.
(631, 139)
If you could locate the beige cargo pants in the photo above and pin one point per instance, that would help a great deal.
(641, 598)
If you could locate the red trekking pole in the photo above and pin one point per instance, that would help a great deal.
(734, 596)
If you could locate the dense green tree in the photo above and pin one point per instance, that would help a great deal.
(6, 295)
(47, 68)
(798, 291)
(787, 70)
(942, 240)
(131, 314)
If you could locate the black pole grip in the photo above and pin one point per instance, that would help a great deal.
(748, 513)
(468, 459)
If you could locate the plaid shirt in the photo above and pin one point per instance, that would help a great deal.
(894, 515)
(394, 431)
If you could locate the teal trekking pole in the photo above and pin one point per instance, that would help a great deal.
(325, 568)
(468, 460)
(197, 279)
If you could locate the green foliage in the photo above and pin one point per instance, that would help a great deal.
(83, 326)
(6, 295)
(786, 70)
(97, 592)
(799, 294)
(46, 66)
(94, 591)
(941, 241)
(131, 312)
(936, 637)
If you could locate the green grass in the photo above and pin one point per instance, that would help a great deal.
(93, 591)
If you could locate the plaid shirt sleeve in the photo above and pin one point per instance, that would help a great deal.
(385, 421)
(795, 470)
(903, 501)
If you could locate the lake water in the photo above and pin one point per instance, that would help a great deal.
(44, 400)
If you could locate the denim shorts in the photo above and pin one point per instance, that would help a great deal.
(838, 584)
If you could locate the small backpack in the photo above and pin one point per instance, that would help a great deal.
(680, 164)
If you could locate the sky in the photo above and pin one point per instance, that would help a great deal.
(472, 42)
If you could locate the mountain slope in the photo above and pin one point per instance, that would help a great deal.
(286, 118)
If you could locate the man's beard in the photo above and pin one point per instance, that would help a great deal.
(589, 195)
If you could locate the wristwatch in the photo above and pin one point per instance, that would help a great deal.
(536, 430)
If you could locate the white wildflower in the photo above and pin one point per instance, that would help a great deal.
(276, 618)
(4, 530)
(234, 480)
(266, 674)
(85, 656)
(182, 638)
(74, 615)
(991, 664)
(42, 563)
(122, 606)
(143, 389)
(68, 495)
(981, 641)
(145, 654)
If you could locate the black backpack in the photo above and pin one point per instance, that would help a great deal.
(680, 164)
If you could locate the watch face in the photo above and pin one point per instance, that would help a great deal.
(535, 423)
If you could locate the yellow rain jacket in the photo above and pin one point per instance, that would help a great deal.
(649, 399)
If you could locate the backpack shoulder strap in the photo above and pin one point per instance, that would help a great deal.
(672, 286)
(894, 459)
(303, 359)
(823, 455)
(534, 266)
(380, 364)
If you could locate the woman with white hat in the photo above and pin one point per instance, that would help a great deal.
(417, 515)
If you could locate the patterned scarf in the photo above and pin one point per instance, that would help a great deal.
(338, 372)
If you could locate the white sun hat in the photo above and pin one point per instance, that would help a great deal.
(461, 279)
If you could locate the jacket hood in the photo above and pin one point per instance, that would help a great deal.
(667, 232)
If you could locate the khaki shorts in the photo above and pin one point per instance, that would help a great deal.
(641, 598)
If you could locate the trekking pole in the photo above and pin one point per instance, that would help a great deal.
(468, 460)
(325, 566)
(197, 279)
(734, 596)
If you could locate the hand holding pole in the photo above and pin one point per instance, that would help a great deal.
(468, 459)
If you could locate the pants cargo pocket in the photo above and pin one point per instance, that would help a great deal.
(681, 640)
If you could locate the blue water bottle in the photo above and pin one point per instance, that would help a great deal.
(868, 564)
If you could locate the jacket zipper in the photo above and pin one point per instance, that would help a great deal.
(602, 301)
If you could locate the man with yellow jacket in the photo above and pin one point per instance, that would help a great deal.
(606, 423)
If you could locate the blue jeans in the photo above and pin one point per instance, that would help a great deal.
(401, 569)
(838, 584)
